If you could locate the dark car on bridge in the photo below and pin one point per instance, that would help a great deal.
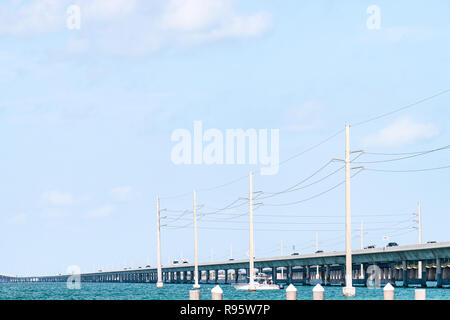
(392, 244)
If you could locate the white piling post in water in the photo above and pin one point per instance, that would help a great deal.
(318, 292)
(420, 294)
(388, 292)
(194, 294)
(217, 293)
(291, 293)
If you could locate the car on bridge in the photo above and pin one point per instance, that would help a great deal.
(319, 251)
(372, 246)
(392, 244)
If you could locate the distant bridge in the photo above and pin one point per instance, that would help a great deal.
(392, 264)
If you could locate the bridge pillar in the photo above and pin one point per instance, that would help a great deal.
(405, 273)
(274, 274)
(438, 273)
(289, 274)
(236, 275)
(326, 280)
(392, 274)
(226, 276)
(308, 275)
(424, 274)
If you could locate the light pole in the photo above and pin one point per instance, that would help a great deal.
(348, 290)
(196, 284)
(159, 283)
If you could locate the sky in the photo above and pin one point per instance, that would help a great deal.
(87, 115)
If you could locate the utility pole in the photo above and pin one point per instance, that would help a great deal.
(196, 284)
(159, 283)
(348, 290)
(419, 227)
(282, 253)
(317, 249)
(252, 249)
(362, 247)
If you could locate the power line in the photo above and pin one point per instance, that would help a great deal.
(182, 195)
(312, 147)
(293, 188)
(402, 108)
(404, 153)
(412, 155)
(312, 197)
(414, 170)
(319, 143)
(280, 230)
(298, 223)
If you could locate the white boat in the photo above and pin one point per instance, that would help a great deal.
(261, 282)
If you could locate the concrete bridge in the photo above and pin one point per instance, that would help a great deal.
(392, 264)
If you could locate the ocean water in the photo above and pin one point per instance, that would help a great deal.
(143, 291)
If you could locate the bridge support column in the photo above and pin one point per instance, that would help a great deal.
(438, 273)
(405, 273)
(226, 276)
(236, 275)
(424, 273)
(289, 274)
(274, 274)
(392, 274)
(326, 280)
(308, 276)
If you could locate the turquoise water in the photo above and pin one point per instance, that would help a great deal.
(139, 291)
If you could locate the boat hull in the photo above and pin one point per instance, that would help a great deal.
(256, 287)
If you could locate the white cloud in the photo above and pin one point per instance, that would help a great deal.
(107, 9)
(122, 193)
(101, 212)
(403, 131)
(194, 15)
(36, 16)
(42, 16)
(134, 27)
(206, 20)
(57, 198)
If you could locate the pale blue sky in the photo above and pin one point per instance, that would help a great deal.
(86, 118)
